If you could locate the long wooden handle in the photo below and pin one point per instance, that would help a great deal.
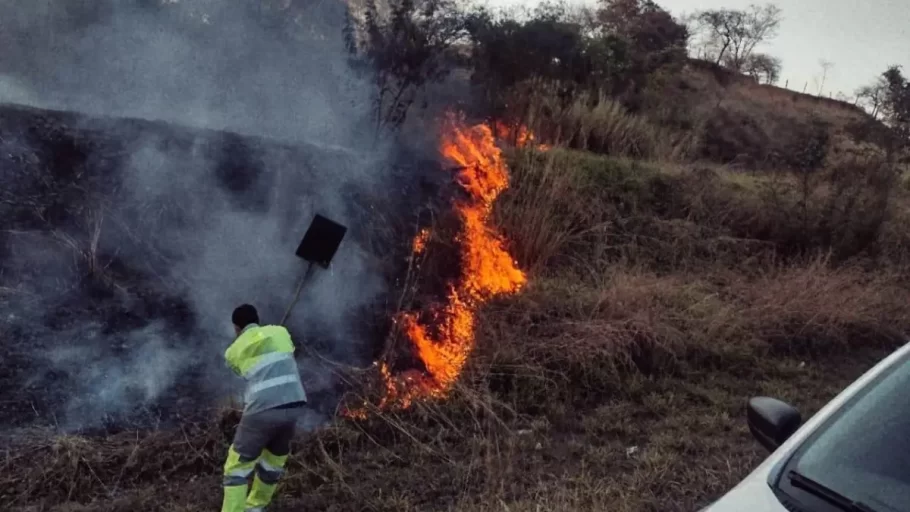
(303, 280)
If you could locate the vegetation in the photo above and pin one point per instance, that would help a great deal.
(403, 52)
(693, 237)
(662, 297)
(730, 36)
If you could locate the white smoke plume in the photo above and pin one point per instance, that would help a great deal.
(211, 65)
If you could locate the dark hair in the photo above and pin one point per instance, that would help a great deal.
(245, 315)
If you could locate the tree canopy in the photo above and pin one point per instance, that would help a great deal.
(730, 36)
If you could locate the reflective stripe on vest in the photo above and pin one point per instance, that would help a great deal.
(268, 360)
(263, 356)
(271, 383)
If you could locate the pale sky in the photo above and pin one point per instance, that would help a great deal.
(861, 38)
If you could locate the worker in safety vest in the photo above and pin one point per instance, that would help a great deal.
(273, 402)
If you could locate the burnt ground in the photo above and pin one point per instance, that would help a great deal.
(90, 255)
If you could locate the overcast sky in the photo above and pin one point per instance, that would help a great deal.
(861, 38)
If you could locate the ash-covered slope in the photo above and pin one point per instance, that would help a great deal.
(124, 245)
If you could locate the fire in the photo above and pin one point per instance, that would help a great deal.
(420, 241)
(520, 135)
(444, 338)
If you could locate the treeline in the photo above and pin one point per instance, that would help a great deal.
(620, 51)
(608, 79)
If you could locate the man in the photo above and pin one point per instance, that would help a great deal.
(273, 402)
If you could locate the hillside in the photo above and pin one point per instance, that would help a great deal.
(661, 297)
(573, 254)
(750, 122)
(120, 239)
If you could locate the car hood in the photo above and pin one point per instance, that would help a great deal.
(752, 494)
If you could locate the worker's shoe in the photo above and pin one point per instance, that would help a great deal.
(234, 498)
(237, 470)
(269, 469)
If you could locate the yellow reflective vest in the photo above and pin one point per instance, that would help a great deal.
(264, 357)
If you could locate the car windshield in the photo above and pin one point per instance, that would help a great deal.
(863, 453)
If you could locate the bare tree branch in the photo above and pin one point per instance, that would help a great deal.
(731, 36)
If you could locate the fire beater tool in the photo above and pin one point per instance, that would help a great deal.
(318, 247)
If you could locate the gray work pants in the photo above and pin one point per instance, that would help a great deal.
(261, 445)
(271, 429)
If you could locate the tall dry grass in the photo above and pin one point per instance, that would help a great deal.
(666, 269)
(596, 122)
(540, 221)
(569, 210)
(567, 341)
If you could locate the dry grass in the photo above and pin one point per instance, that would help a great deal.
(632, 450)
(759, 126)
(565, 335)
(585, 395)
(573, 210)
(597, 123)
(51, 468)
(661, 298)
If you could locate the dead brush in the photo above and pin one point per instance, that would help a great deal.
(538, 212)
(78, 469)
(86, 252)
(560, 336)
(595, 122)
(817, 308)
(464, 437)
(563, 336)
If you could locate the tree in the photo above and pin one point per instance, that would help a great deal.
(888, 100)
(731, 36)
(550, 45)
(826, 66)
(896, 106)
(763, 68)
(406, 50)
(872, 96)
(643, 22)
(653, 43)
(651, 33)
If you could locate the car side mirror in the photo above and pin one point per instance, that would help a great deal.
(771, 421)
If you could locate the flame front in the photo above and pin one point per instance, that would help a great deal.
(444, 339)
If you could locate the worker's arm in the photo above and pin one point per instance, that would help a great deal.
(229, 360)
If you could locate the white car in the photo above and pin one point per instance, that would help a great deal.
(853, 455)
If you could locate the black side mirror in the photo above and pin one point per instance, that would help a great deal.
(771, 421)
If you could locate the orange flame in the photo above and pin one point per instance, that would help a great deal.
(520, 135)
(444, 342)
(420, 241)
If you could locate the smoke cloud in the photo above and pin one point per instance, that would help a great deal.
(214, 222)
(239, 66)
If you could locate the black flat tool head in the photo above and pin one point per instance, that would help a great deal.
(321, 241)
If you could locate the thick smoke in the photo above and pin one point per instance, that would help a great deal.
(206, 64)
(213, 64)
